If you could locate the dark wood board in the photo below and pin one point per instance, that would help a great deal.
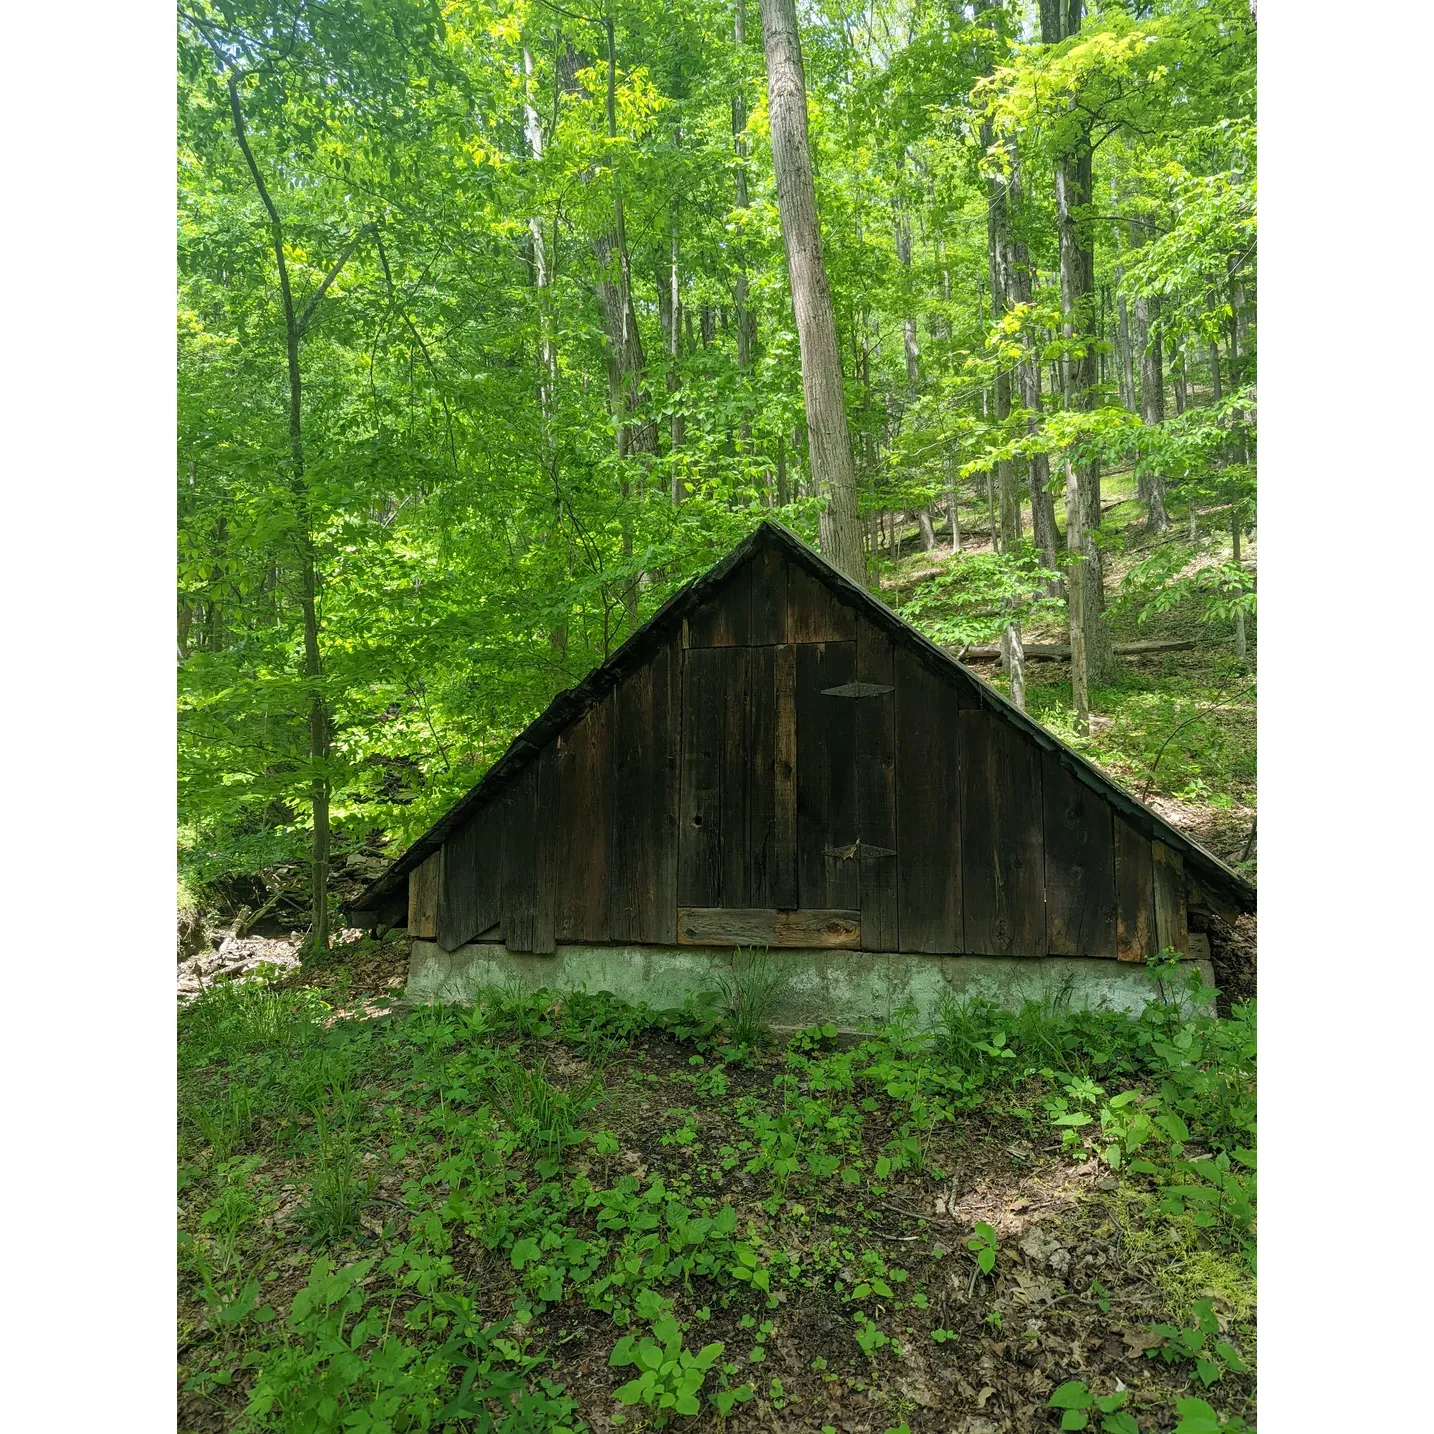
(769, 598)
(725, 619)
(826, 779)
(644, 833)
(878, 850)
(928, 808)
(469, 899)
(584, 829)
(1002, 843)
(1171, 922)
(712, 860)
(1080, 865)
(545, 877)
(771, 793)
(1134, 894)
(425, 882)
(520, 860)
(732, 926)
(814, 612)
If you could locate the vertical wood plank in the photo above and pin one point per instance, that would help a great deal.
(585, 826)
(928, 809)
(519, 865)
(545, 866)
(699, 833)
(468, 900)
(734, 698)
(826, 778)
(762, 785)
(769, 598)
(1134, 893)
(876, 791)
(659, 923)
(425, 883)
(1002, 847)
(785, 888)
(635, 782)
(712, 845)
(1080, 865)
(814, 612)
(1171, 921)
(644, 808)
(725, 619)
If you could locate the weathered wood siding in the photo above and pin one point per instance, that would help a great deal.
(783, 772)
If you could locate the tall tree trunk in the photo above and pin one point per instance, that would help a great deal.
(320, 724)
(1077, 264)
(928, 533)
(908, 324)
(542, 278)
(1235, 559)
(833, 468)
(1216, 393)
(1013, 661)
(1028, 377)
(1152, 410)
(1177, 375)
(1080, 657)
(953, 516)
(746, 319)
(1127, 375)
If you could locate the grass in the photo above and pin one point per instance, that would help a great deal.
(544, 1213)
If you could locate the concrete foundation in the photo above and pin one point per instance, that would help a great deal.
(856, 989)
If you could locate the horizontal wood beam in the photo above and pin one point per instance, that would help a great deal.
(733, 926)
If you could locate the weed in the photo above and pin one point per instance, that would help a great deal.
(669, 1377)
(984, 1246)
(337, 1193)
(1078, 1404)
(227, 1122)
(749, 992)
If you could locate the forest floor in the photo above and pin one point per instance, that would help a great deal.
(397, 1219)
(1177, 729)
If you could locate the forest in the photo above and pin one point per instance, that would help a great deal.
(499, 321)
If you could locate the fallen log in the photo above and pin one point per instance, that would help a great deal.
(1059, 652)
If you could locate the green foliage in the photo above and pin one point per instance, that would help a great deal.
(1079, 1405)
(669, 1378)
(984, 1247)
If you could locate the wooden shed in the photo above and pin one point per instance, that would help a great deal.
(776, 759)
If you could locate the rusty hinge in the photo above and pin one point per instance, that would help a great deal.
(856, 689)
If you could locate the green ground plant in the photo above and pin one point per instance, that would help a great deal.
(464, 1188)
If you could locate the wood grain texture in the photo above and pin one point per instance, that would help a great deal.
(468, 900)
(424, 884)
(644, 810)
(771, 805)
(928, 809)
(1080, 865)
(713, 868)
(826, 778)
(732, 926)
(814, 612)
(878, 851)
(1002, 843)
(769, 598)
(1171, 922)
(1134, 894)
(519, 866)
(725, 619)
(584, 828)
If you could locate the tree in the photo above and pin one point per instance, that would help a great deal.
(829, 441)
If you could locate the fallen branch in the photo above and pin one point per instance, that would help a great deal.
(1060, 652)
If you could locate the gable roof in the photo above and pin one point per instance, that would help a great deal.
(568, 706)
